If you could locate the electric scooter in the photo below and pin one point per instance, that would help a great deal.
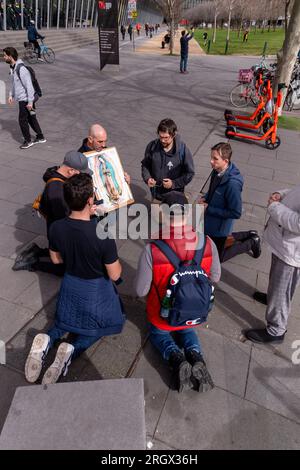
(272, 140)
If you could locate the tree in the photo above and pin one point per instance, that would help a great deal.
(288, 54)
(229, 4)
(172, 11)
(217, 4)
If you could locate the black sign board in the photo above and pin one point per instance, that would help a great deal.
(108, 32)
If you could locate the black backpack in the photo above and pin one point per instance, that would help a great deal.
(37, 89)
(192, 293)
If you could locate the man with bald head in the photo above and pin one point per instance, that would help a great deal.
(96, 141)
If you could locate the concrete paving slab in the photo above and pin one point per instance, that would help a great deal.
(12, 319)
(252, 170)
(29, 425)
(157, 379)
(12, 240)
(220, 420)
(253, 196)
(13, 283)
(274, 384)
(40, 292)
(237, 281)
(9, 380)
(269, 163)
(107, 362)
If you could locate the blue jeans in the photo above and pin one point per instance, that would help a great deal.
(81, 342)
(165, 343)
(183, 63)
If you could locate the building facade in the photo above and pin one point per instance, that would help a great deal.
(16, 14)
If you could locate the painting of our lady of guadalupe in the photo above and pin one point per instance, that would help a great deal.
(109, 181)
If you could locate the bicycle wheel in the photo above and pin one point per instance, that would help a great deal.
(31, 57)
(49, 55)
(240, 95)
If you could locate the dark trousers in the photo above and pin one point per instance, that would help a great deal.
(37, 47)
(242, 244)
(26, 120)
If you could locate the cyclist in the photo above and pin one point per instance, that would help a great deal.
(33, 37)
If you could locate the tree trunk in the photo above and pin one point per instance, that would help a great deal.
(286, 12)
(215, 28)
(172, 34)
(287, 56)
(228, 27)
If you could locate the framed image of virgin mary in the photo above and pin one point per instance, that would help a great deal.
(109, 181)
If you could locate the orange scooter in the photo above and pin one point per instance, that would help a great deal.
(272, 140)
(263, 114)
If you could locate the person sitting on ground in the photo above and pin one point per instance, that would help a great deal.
(183, 353)
(33, 37)
(166, 40)
(205, 36)
(88, 304)
(96, 141)
(53, 206)
(223, 205)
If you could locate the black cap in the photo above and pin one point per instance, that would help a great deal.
(174, 198)
(78, 161)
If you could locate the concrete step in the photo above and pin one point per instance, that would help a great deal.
(58, 40)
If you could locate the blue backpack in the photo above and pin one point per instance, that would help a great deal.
(192, 294)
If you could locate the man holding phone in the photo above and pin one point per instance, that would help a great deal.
(168, 163)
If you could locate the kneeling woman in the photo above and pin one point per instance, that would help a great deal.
(88, 303)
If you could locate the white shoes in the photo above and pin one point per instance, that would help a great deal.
(60, 365)
(36, 357)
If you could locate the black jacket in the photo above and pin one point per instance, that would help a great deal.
(184, 44)
(53, 203)
(177, 165)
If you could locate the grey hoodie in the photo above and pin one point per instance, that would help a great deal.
(282, 232)
(22, 90)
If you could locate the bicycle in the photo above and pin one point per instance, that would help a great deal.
(31, 55)
(245, 91)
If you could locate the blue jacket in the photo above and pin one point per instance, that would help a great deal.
(32, 33)
(184, 44)
(225, 204)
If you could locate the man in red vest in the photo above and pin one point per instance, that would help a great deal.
(184, 354)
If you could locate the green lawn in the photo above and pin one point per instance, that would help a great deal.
(254, 46)
(289, 122)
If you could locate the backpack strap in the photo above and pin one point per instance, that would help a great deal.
(54, 179)
(18, 73)
(181, 152)
(198, 256)
(168, 252)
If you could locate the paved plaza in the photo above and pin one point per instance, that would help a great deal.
(256, 401)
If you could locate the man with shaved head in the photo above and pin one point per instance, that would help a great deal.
(96, 141)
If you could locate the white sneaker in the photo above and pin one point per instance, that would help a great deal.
(60, 365)
(40, 59)
(36, 357)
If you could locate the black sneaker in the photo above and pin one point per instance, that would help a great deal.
(26, 145)
(39, 140)
(255, 246)
(27, 258)
(260, 297)
(182, 369)
(201, 378)
(262, 336)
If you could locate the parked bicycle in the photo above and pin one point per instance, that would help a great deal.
(31, 54)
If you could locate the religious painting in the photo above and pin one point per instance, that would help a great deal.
(109, 180)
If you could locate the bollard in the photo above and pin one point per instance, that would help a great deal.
(226, 46)
(208, 46)
(265, 49)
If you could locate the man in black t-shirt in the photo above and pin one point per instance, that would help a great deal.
(88, 304)
(54, 207)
